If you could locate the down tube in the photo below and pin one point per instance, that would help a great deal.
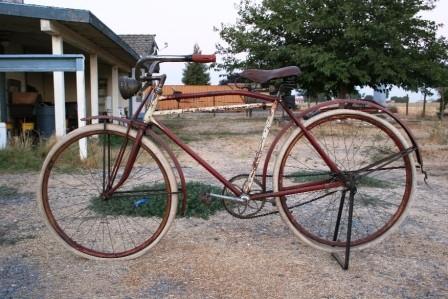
(198, 159)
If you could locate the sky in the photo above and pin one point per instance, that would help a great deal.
(181, 24)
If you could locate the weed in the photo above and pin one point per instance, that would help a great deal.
(150, 202)
(372, 182)
(303, 176)
(314, 176)
(439, 134)
(22, 154)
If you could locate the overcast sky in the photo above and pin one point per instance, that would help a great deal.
(182, 23)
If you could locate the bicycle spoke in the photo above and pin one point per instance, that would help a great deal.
(368, 154)
(107, 225)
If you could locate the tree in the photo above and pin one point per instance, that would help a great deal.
(195, 73)
(338, 44)
(443, 92)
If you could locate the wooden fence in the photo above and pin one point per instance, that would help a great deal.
(416, 109)
(199, 102)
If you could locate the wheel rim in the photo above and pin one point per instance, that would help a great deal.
(122, 226)
(316, 220)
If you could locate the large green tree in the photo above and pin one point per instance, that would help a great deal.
(195, 73)
(338, 44)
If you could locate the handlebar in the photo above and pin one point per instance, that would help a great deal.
(198, 58)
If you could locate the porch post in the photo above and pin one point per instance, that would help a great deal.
(3, 111)
(132, 99)
(115, 91)
(94, 86)
(59, 89)
(81, 104)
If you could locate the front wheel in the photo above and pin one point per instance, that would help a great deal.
(123, 225)
(365, 148)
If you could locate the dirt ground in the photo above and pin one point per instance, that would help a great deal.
(225, 257)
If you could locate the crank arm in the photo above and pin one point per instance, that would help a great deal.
(227, 197)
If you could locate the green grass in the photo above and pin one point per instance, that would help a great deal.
(152, 204)
(365, 181)
(303, 176)
(18, 159)
(24, 154)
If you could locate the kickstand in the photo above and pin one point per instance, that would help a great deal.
(344, 263)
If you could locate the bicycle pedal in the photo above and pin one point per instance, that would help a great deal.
(206, 199)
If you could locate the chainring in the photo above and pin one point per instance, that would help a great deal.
(243, 210)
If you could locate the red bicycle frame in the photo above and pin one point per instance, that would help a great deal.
(297, 120)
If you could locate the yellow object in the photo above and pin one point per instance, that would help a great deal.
(9, 126)
(27, 127)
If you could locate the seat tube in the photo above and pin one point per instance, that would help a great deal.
(250, 180)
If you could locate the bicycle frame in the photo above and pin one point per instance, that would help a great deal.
(296, 121)
(149, 122)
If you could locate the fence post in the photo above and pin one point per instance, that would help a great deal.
(407, 105)
(442, 102)
(424, 104)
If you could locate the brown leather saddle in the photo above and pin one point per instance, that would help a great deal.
(263, 76)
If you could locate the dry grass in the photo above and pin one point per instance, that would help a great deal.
(439, 134)
(24, 153)
(432, 137)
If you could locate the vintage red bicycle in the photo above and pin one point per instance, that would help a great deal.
(343, 177)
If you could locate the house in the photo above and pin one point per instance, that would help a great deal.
(34, 29)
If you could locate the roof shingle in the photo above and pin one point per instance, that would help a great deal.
(143, 44)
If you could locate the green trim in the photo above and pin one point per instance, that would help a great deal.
(42, 63)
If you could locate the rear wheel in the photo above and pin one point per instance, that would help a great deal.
(355, 141)
(71, 194)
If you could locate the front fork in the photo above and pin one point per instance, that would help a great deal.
(110, 187)
(110, 171)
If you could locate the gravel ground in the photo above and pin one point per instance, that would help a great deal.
(224, 257)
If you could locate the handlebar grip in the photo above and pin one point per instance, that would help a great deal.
(199, 58)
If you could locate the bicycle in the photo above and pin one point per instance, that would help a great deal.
(343, 178)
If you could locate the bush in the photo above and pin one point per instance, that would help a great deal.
(149, 206)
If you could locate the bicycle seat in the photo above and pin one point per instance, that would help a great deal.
(263, 76)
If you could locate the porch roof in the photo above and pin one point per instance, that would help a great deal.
(22, 22)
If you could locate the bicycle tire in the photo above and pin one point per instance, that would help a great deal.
(313, 216)
(135, 221)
